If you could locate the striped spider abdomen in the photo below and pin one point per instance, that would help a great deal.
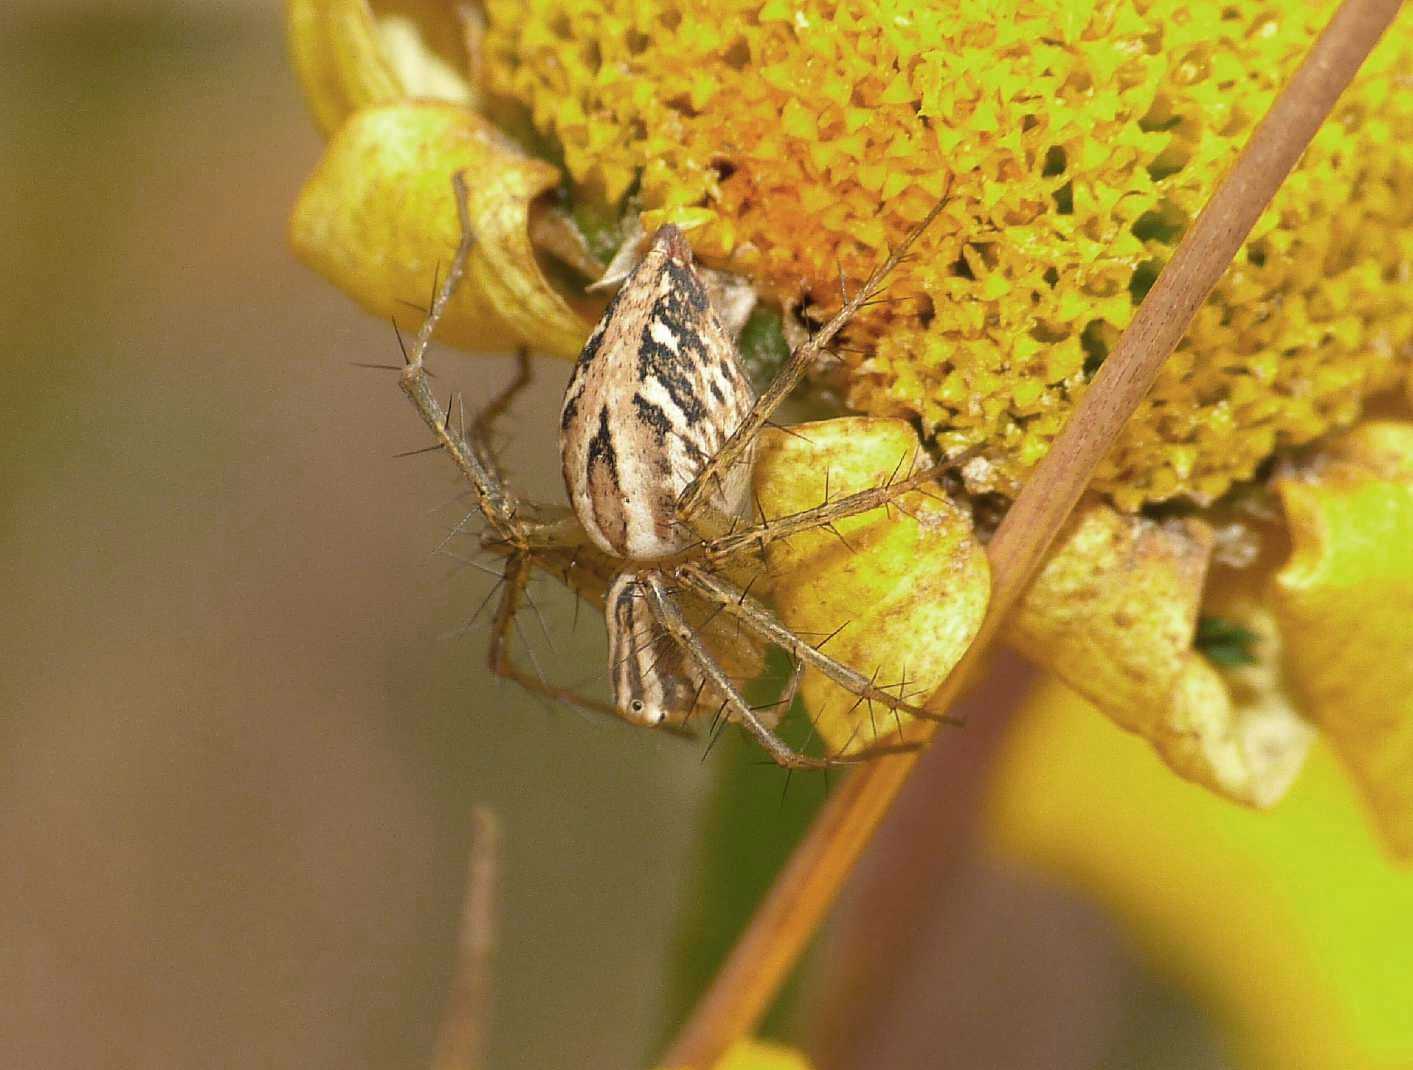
(655, 393)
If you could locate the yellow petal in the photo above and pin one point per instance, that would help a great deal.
(378, 219)
(1113, 613)
(904, 590)
(347, 58)
(1345, 605)
(759, 1055)
(1291, 926)
(426, 43)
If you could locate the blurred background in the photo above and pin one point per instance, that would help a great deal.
(245, 712)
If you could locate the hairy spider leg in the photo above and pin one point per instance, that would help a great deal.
(664, 607)
(761, 622)
(738, 444)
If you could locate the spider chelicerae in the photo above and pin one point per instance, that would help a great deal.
(657, 435)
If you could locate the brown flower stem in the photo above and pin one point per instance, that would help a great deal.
(812, 876)
(461, 1040)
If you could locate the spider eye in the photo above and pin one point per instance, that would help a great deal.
(636, 705)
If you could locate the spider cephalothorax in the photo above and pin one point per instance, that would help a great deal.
(657, 431)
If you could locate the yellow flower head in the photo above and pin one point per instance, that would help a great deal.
(1079, 138)
(1075, 141)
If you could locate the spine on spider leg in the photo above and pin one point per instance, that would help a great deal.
(654, 395)
(756, 539)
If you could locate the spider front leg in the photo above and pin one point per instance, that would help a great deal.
(664, 608)
(759, 620)
(483, 423)
(737, 446)
(468, 445)
(757, 537)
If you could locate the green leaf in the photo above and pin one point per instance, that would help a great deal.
(762, 346)
(755, 817)
(1224, 642)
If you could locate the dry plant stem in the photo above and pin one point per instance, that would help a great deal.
(899, 899)
(461, 1040)
(812, 876)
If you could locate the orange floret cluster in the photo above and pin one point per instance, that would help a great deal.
(1079, 138)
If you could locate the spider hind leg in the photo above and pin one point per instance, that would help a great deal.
(498, 659)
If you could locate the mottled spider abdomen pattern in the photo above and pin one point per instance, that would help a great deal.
(656, 391)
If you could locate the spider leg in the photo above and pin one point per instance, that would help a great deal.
(499, 506)
(756, 538)
(664, 608)
(517, 575)
(756, 618)
(653, 681)
(799, 362)
(483, 423)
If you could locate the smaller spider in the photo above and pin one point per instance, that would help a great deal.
(657, 433)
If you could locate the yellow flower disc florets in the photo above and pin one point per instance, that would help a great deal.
(1081, 138)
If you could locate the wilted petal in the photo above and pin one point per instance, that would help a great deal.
(905, 591)
(1269, 734)
(1345, 605)
(378, 219)
(1113, 614)
(349, 57)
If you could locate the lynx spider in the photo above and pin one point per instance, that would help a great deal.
(657, 432)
